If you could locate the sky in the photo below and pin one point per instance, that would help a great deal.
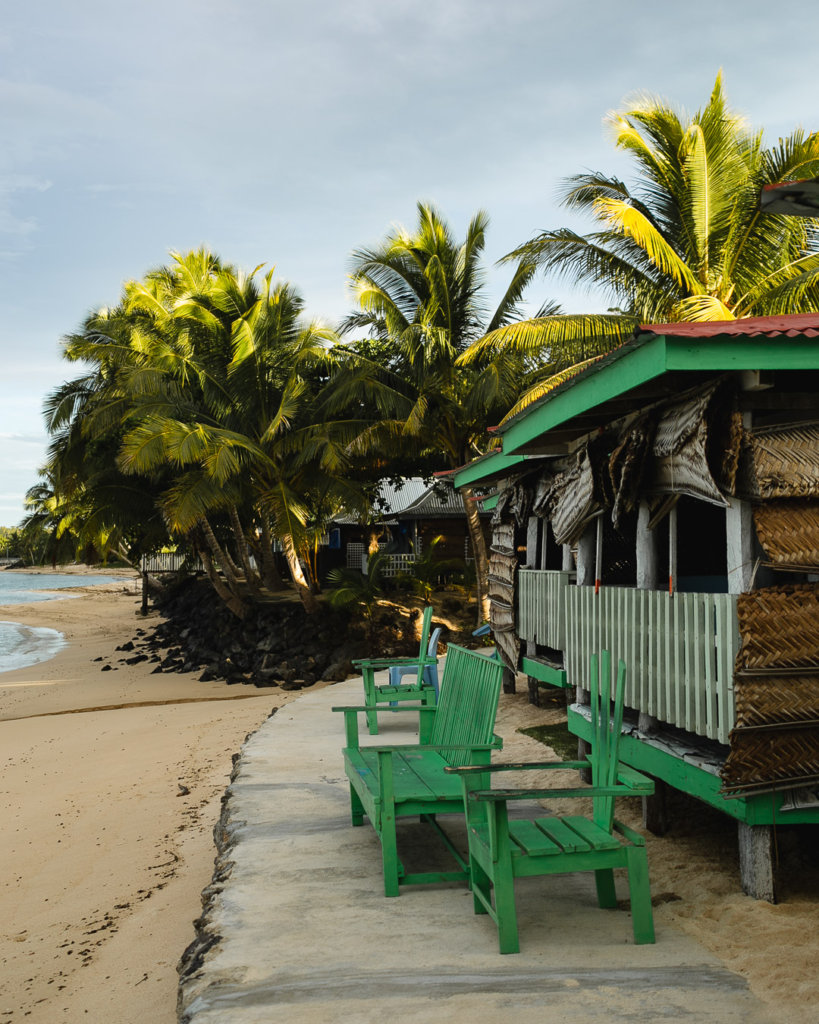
(290, 134)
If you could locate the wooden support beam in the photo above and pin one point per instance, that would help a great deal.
(648, 551)
(655, 809)
(756, 866)
(739, 528)
(532, 538)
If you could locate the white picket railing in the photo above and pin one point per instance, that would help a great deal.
(679, 650)
(170, 561)
(541, 607)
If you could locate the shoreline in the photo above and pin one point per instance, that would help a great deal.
(112, 786)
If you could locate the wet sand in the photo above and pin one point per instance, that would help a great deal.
(110, 788)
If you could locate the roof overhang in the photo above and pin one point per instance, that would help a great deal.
(650, 368)
(493, 466)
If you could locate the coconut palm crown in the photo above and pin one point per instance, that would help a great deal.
(686, 241)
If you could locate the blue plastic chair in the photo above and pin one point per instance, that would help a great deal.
(486, 630)
(430, 672)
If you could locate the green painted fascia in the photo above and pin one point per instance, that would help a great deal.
(727, 353)
(485, 468)
(592, 388)
(759, 809)
(647, 358)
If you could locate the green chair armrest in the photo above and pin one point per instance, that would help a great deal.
(378, 707)
(401, 748)
(518, 766)
(641, 784)
(497, 795)
(390, 662)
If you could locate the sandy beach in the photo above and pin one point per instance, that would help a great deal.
(111, 786)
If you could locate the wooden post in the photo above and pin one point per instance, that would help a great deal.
(648, 569)
(672, 550)
(586, 551)
(586, 558)
(739, 529)
(532, 537)
(533, 540)
(544, 541)
(655, 808)
(756, 861)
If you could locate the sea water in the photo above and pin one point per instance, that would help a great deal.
(27, 645)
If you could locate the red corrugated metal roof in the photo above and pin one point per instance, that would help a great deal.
(790, 326)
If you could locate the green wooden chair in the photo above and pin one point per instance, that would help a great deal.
(420, 690)
(408, 780)
(501, 849)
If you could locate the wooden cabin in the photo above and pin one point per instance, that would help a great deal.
(667, 495)
(409, 515)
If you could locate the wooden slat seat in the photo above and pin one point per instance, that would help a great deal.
(501, 849)
(392, 782)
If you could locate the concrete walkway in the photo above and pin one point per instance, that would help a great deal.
(296, 928)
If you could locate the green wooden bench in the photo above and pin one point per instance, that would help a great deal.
(501, 850)
(391, 782)
(421, 690)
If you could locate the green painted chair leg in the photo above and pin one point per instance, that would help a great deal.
(507, 918)
(479, 882)
(642, 918)
(604, 881)
(356, 808)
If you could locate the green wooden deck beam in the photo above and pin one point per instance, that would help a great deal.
(759, 809)
(544, 672)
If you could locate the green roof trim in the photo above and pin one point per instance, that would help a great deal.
(645, 358)
(487, 466)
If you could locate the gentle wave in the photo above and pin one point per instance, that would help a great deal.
(21, 645)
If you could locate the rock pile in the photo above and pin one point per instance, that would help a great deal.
(275, 644)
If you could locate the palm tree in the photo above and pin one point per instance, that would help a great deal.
(421, 301)
(235, 417)
(203, 381)
(685, 241)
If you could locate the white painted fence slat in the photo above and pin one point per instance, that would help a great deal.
(680, 650)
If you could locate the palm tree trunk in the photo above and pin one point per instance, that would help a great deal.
(233, 602)
(251, 576)
(270, 571)
(308, 598)
(478, 541)
(225, 563)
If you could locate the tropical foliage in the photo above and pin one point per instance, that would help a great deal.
(201, 390)
(685, 241)
(422, 304)
(211, 413)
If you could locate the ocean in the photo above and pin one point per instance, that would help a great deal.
(27, 645)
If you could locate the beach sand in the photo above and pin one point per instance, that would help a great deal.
(111, 786)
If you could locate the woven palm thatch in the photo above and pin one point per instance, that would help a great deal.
(782, 463)
(779, 628)
(789, 532)
(773, 699)
(766, 758)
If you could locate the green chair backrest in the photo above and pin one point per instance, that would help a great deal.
(470, 689)
(606, 723)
